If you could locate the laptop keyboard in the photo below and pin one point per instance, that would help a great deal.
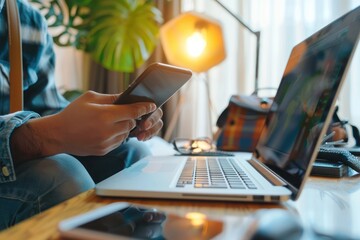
(214, 172)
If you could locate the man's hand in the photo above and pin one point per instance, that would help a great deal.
(149, 127)
(91, 125)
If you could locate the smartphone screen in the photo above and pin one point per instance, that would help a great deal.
(142, 223)
(156, 84)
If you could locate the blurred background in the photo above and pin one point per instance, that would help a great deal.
(282, 23)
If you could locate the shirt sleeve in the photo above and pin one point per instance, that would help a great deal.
(7, 124)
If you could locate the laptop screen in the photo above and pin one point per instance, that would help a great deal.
(305, 97)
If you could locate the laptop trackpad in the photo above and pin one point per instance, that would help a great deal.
(157, 165)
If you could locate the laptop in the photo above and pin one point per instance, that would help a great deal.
(282, 160)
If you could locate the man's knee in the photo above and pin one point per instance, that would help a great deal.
(66, 177)
(40, 185)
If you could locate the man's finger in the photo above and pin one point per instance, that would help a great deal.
(137, 110)
(151, 120)
(100, 98)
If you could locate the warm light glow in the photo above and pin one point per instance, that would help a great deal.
(195, 44)
(197, 219)
(194, 41)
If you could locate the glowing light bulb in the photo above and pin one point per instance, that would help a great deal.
(195, 44)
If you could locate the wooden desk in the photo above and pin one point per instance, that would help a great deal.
(328, 205)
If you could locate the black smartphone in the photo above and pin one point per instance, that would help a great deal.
(156, 84)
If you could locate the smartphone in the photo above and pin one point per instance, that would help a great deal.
(326, 168)
(156, 84)
(126, 221)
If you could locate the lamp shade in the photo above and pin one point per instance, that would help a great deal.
(193, 41)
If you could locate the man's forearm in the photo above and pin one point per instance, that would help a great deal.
(34, 139)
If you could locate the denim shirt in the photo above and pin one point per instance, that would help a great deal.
(41, 96)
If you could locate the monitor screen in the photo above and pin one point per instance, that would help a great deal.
(305, 96)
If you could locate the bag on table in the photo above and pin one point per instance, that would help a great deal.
(240, 124)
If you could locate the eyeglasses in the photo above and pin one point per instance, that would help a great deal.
(199, 146)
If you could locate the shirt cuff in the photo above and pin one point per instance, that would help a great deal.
(7, 125)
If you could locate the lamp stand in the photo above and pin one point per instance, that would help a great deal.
(180, 105)
(211, 106)
(257, 35)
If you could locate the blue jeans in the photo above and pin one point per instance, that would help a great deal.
(45, 182)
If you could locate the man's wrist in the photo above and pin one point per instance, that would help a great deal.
(34, 139)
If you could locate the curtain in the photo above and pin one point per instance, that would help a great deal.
(283, 24)
(286, 23)
(71, 68)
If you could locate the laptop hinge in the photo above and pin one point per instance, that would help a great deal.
(267, 173)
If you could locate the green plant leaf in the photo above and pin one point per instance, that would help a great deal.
(127, 28)
(118, 34)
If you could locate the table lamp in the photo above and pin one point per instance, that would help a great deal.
(195, 41)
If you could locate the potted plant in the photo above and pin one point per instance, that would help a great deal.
(118, 34)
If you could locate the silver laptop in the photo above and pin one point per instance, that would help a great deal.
(280, 164)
